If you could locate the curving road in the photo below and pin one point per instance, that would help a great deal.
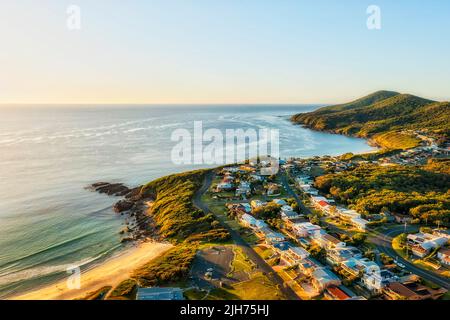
(248, 250)
(383, 242)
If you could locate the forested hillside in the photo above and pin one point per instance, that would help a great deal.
(382, 116)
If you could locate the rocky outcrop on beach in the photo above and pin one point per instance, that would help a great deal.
(111, 189)
(123, 205)
(134, 206)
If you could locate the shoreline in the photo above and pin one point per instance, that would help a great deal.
(117, 268)
(109, 273)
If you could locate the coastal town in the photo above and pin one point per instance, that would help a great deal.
(322, 249)
(298, 234)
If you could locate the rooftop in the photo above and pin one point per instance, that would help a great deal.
(158, 293)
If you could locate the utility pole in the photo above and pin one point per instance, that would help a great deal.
(406, 241)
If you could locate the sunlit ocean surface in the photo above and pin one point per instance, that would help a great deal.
(49, 222)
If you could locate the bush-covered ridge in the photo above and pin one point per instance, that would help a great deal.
(174, 213)
(380, 113)
(422, 192)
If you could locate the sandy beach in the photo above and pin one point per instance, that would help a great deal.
(111, 273)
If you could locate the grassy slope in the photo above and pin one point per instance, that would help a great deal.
(179, 222)
(381, 115)
(174, 213)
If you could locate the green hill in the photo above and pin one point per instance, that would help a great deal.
(381, 116)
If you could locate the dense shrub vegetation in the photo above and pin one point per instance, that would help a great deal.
(174, 213)
(125, 290)
(172, 266)
(416, 191)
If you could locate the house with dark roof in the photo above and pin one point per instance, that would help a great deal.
(412, 291)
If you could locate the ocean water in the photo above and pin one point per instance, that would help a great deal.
(48, 154)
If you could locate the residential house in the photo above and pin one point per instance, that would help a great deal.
(224, 186)
(244, 189)
(444, 256)
(308, 265)
(159, 293)
(274, 237)
(257, 204)
(246, 207)
(279, 202)
(294, 255)
(248, 220)
(423, 243)
(327, 241)
(401, 218)
(260, 224)
(289, 215)
(338, 255)
(334, 293)
(360, 266)
(323, 278)
(305, 229)
(273, 189)
(359, 223)
(315, 200)
(412, 291)
(377, 280)
(256, 178)
(281, 247)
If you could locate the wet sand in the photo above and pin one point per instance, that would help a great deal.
(110, 273)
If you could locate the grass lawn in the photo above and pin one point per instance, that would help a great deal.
(194, 294)
(446, 296)
(257, 288)
(398, 247)
(264, 252)
(241, 262)
(249, 237)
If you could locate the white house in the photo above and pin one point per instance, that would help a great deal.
(256, 204)
(248, 220)
(359, 223)
(294, 255)
(444, 256)
(279, 202)
(244, 188)
(327, 241)
(247, 207)
(322, 278)
(424, 243)
(355, 266)
(224, 186)
(305, 229)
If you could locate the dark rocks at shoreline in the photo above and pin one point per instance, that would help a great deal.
(123, 205)
(139, 224)
(111, 189)
(134, 205)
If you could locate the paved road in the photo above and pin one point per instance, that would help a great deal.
(246, 248)
(383, 242)
(285, 182)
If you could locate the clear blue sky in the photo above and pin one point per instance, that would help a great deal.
(221, 51)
